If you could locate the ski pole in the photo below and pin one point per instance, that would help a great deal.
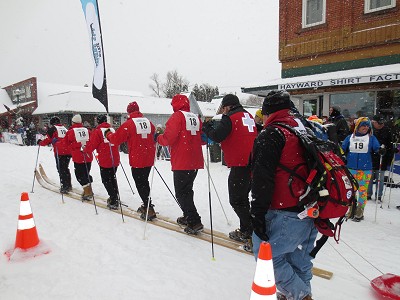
(149, 199)
(120, 163)
(34, 171)
(391, 175)
(216, 192)
(88, 176)
(115, 180)
(209, 203)
(59, 172)
(378, 184)
(167, 186)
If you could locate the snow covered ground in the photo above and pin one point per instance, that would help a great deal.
(100, 257)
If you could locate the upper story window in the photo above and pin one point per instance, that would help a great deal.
(376, 5)
(314, 12)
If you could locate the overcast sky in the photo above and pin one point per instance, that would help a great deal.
(226, 43)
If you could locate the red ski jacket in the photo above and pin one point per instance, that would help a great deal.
(138, 132)
(76, 137)
(56, 136)
(106, 158)
(183, 134)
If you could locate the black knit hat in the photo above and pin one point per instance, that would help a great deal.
(276, 100)
(101, 119)
(55, 120)
(379, 118)
(229, 100)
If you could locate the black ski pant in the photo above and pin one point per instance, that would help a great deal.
(239, 185)
(109, 180)
(82, 173)
(183, 183)
(141, 178)
(62, 163)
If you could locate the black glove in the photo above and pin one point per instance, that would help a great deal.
(382, 150)
(107, 132)
(38, 141)
(259, 227)
(208, 126)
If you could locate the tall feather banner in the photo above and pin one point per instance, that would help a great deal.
(99, 87)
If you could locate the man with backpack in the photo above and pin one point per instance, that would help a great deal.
(274, 207)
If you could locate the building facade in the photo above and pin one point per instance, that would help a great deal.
(340, 53)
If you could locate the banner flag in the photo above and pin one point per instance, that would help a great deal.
(99, 87)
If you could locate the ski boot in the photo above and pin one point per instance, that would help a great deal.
(87, 192)
(240, 236)
(112, 204)
(194, 229)
(182, 221)
(143, 210)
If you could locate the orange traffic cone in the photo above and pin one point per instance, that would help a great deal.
(264, 279)
(27, 236)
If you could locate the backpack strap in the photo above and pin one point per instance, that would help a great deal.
(318, 245)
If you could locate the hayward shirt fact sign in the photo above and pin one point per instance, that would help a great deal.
(340, 81)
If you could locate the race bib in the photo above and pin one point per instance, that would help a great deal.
(102, 134)
(143, 126)
(61, 131)
(359, 144)
(81, 135)
(192, 122)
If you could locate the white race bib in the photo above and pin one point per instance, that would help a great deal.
(102, 133)
(143, 126)
(61, 131)
(192, 122)
(81, 135)
(359, 144)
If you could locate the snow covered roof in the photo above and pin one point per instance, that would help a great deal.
(4, 100)
(296, 83)
(53, 98)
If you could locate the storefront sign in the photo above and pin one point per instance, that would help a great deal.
(339, 81)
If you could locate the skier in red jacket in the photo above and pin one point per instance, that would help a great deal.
(138, 131)
(56, 136)
(236, 133)
(108, 159)
(77, 136)
(183, 134)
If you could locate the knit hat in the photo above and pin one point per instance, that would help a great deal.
(229, 100)
(133, 106)
(180, 102)
(101, 119)
(276, 100)
(315, 119)
(259, 113)
(55, 120)
(363, 121)
(77, 119)
(335, 111)
(379, 118)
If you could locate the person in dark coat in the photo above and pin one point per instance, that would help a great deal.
(236, 133)
(274, 208)
(384, 136)
(342, 128)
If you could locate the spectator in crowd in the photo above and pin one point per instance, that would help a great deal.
(342, 128)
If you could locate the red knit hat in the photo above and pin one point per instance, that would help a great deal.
(133, 106)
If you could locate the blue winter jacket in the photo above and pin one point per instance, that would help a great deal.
(360, 161)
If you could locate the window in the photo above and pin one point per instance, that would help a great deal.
(376, 5)
(354, 105)
(314, 12)
(310, 107)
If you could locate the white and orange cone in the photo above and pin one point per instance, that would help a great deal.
(264, 279)
(27, 236)
(27, 240)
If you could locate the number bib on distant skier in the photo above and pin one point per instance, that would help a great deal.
(359, 144)
(192, 122)
(61, 131)
(142, 126)
(102, 134)
(81, 135)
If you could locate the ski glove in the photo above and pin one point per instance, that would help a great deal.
(207, 126)
(107, 132)
(258, 223)
(382, 150)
